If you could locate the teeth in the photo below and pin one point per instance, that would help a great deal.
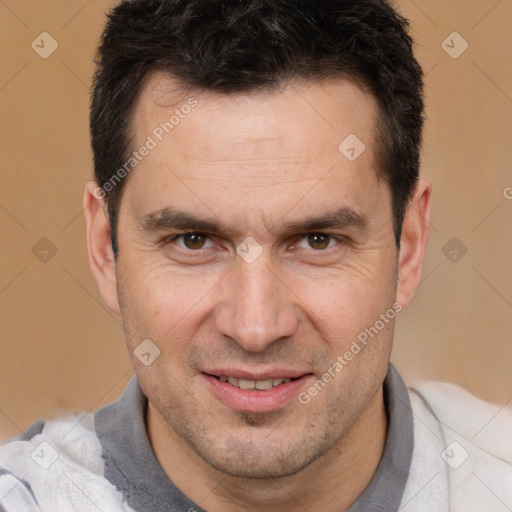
(254, 384)
(246, 384)
(233, 380)
(264, 384)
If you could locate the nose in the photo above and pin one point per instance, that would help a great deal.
(256, 307)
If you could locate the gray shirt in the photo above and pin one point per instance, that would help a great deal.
(131, 465)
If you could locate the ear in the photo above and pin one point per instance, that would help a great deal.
(99, 246)
(413, 242)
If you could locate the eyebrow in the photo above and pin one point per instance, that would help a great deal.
(168, 219)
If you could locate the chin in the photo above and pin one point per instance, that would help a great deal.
(249, 460)
(262, 470)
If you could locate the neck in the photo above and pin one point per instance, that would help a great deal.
(353, 459)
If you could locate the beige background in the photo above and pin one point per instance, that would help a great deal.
(60, 347)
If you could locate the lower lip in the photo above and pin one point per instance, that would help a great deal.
(253, 400)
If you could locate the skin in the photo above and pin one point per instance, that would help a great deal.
(254, 162)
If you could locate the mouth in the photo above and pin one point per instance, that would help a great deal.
(255, 385)
(256, 393)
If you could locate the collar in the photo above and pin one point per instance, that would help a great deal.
(131, 465)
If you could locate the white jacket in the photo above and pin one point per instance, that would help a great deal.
(462, 458)
(462, 461)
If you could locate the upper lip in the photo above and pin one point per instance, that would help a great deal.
(284, 373)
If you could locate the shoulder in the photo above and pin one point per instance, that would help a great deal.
(55, 465)
(464, 444)
(484, 425)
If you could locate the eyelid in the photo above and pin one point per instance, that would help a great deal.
(172, 239)
(338, 239)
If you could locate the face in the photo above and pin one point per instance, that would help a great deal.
(251, 247)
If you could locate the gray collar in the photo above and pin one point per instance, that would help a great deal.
(385, 491)
(131, 465)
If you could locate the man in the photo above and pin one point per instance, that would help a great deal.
(258, 221)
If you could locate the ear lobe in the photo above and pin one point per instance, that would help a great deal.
(413, 241)
(99, 246)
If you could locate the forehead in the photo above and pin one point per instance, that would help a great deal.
(291, 120)
(265, 143)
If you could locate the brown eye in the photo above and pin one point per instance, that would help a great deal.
(318, 241)
(194, 240)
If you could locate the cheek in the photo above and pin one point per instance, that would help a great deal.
(160, 304)
(342, 305)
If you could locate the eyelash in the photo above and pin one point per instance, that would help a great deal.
(172, 239)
